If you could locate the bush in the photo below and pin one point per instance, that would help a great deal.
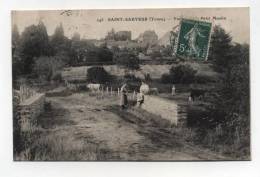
(46, 67)
(204, 118)
(131, 78)
(156, 55)
(181, 74)
(57, 77)
(98, 75)
(128, 60)
(16, 124)
(166, 78)
(105, 55)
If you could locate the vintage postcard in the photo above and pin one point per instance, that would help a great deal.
(131, 84)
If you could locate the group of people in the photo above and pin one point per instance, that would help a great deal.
(144, 89)
(140, 95)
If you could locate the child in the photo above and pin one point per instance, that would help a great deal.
(140, 99)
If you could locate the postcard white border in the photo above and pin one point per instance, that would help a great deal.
(8, 168)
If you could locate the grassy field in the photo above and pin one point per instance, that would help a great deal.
(155, 71)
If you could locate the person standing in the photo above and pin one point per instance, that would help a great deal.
(144, 88)
(123, 97)
(140, 99)
(173, 89)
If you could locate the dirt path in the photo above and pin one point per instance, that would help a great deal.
(131, 134)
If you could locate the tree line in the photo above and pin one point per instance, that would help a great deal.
(34, 49)
(226, 121)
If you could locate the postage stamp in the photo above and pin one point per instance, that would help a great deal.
(193, 40)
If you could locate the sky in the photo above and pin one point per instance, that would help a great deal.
(94, 24)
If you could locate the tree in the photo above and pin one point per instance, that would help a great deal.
(83, 52)
(16, 59)
(47, 67)
(34, 43)
(59, 43)
(76, 37)
(15, 38)
(155, 55)
(232, 60)
(104, 54)
(231, 105)
(233, 96)
(98, 75)
(43, 39)
(220, 47)
(58, 34)
(181, 74)
(239, 54)
(128, 60)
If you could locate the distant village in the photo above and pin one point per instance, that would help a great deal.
(147, 46)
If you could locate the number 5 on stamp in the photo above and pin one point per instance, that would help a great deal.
(193, 40)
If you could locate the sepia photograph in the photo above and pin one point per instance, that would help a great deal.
(165, 84)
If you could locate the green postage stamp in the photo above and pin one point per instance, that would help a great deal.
(193, 40)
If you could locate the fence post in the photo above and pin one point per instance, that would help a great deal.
(27, 92)
(21, 95)
(134, 95)
(102, 91)
(118, 92)
(23, 92)
(173, 90)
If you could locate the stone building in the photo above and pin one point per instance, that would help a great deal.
(148, 37)
(119, 36)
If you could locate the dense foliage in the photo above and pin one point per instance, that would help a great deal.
(226, 121)
(34, 47)
(128, 60)
(98, 75)
(219, 52)
(180, 74)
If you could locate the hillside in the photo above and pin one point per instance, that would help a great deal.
(155, 71)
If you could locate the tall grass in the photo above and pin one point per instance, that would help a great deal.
(54, 144)
(40, 145)
(232, 140)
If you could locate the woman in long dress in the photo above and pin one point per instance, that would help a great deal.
(123, 97)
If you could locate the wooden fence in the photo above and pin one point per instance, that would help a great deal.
(25, 92)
